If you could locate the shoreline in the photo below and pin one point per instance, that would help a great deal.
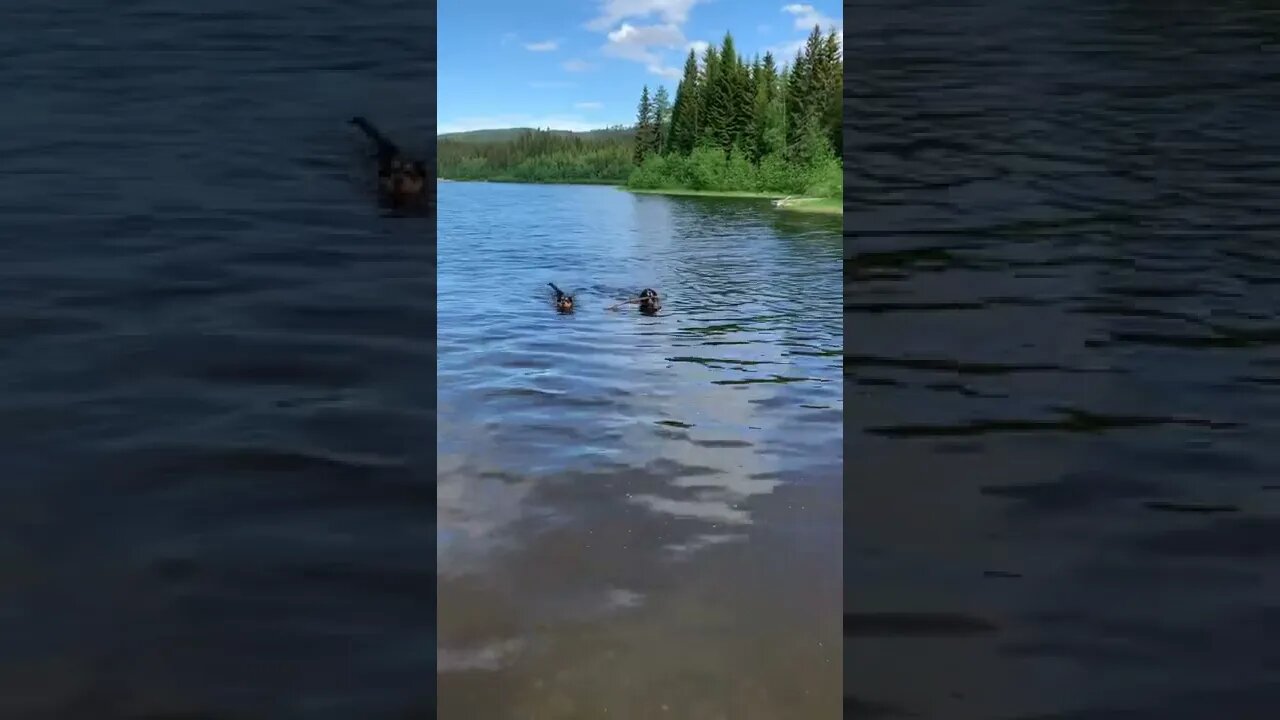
(808, 205)
(811, 205)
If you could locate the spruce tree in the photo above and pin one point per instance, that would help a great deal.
(708, 119)
(684, 113)
(764, 117)
(833, 90)
(661, 120)
(796, 99)
(644, 120)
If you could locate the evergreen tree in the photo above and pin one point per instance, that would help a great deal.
(684, 113)
(833, 90)
(766, 116)
(661, 120)
(708, 118)
(797, 92)
(644, 127)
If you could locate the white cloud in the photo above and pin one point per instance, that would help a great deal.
(786, 52)
(807, 16)
(575, 123)
(670, 12)
(666, 71)
(643, 44)
(699, 46)
(588, 105)
(576, 65)
(544, 46)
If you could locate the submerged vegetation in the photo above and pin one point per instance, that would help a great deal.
(733, 126)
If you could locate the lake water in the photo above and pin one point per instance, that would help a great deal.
(639, 516)
(1063, 338)
(215, 493)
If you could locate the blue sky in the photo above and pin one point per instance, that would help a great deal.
(580, 64)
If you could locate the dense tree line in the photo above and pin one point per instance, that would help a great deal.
(545, 156)
(733, 125)
(739, 125)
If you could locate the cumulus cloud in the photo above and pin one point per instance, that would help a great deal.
(643, 43)
(669, 12)
(544, 46)
(666, 71)
(699, 46)
(786, 52)
(807, 16)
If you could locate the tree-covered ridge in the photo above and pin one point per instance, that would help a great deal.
(739, 125)
(600, 156)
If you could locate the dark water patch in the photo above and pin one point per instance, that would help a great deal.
(1162, 506)
(1076, 421)
(914, 624)
(217, 408)
(955, 366)
(1071, 218)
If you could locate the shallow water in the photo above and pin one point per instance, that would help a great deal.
(639, 516)
(216, 405)
(1062, 357)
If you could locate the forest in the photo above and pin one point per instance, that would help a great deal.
(732, 125)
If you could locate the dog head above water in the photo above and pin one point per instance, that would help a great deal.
(564, 303)
(649, 301)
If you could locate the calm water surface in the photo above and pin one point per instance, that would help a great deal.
(1063, 358)
(639, 516)
(216, 411)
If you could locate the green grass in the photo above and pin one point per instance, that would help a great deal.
(519, 181)
(708, 193)
(817, 206)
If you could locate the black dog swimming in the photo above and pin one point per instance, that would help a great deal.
(401, 180)
(648, 301)
(564, 301)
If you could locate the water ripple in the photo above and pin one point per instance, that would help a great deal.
(1062, 313)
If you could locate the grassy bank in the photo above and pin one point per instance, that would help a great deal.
(704, 193)
(522, 181)
(817, 206)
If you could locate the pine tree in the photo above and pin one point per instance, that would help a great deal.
(833, 90)
(796, 98)
(684, 113)
(766, 120)
(644, 123)
(661, 120)
(743, 100)
(708, 117)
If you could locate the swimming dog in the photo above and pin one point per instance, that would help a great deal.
(401, 180)
(649, 304)
(564, 302)
(647, 300)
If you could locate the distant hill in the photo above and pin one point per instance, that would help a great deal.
(498, 135)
